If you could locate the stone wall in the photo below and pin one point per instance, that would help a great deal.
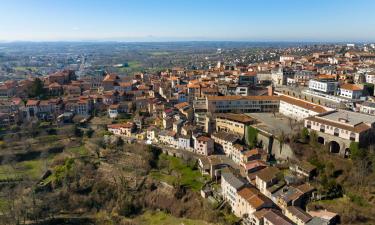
(272, 146)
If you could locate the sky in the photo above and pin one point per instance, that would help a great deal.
(187, 20)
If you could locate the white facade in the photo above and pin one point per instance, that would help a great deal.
(370, 78)
(323, 86)
(184, 143)
(298, 109)
(352, 94)
(229, 187)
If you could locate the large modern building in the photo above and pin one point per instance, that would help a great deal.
(339, 128)
(324, 83)
(242, 104)
(299, 109)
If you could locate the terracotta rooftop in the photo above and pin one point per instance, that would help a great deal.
(303, 104)
(268, 174)
(203, 138)
(253, 197)
(351, 87)
(242, 118)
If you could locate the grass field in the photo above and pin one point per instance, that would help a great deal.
(132, 66)
(161, 218)
(180, 173)
(32, 169)
(23, 68)
(159, 53)
(81, 150)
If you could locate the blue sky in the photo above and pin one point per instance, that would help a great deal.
(163, 20)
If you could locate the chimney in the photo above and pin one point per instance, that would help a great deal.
(270, 90)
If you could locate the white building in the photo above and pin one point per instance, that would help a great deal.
(367, 107)
(343, 124)
(230, 185)
(351, 91)
(370, 77)
(326, 84)
(298, 109)
(184, 143)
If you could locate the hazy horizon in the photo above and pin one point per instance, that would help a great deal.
(168, 21)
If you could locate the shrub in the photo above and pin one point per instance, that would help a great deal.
(305, 134)
(252, 134)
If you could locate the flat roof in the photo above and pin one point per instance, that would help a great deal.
(352, 118)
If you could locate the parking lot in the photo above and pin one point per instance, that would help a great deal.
(275, 124)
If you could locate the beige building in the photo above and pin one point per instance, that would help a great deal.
(297, 215)
(233, 123)
(124, 129)
(203, 145)
(339, 128)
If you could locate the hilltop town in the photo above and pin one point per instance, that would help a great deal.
(274, 136)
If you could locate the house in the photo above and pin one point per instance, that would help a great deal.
(32, 108)
(177, 125)
(230, 185)
(304, 169)
(167, 137)
(250, 155)
(167, 122)
(330, 218)
(224, 141)
(236, 153)
(297, 215)
(113, 111)
(55, 89)
(184, 142)
(250, 200)
(367, 107)
(151, 133)
(248, 78)
(292, 195)
(242, 90)
(266, 178)
(110, 81)
(124, 129)
(203, 145)
(370, 77)
(252, 166)
(72, 90)
(273, 217)
(351, 91)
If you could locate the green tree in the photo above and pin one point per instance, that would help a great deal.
(357, 153)
(252, 134)
(313, 138)
(304, 134)
(36, 89)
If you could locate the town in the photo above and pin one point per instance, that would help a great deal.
(255, 129)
